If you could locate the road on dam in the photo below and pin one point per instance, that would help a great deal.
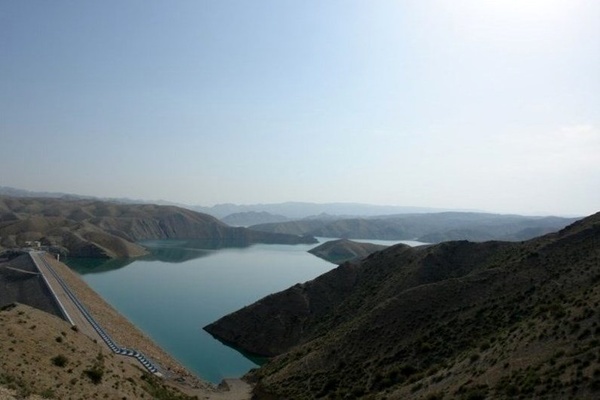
(77, 315)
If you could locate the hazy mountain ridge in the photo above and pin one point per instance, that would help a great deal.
(16, 192)
(248, 218)
(92, 228)
(290, 209)
(299, 210)
(428, 228)
(454, 320)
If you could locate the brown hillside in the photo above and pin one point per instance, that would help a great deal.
(40, 354)
(342, 250)
(90, 228)
(454, 320)
(427, 228)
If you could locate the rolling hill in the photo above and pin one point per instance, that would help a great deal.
(92, 228)
(342, 250)
(252, 218)
(454, 320)
(428, 228)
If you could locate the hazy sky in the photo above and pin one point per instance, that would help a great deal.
(491, 105)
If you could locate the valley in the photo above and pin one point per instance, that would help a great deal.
(490, 319)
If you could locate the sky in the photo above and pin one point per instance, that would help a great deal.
(466, 104)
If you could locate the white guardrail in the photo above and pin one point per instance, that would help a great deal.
(107, 339)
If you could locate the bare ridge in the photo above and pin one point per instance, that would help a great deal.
(92, 228)
(453, 320)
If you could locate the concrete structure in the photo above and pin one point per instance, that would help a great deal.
(76, 313)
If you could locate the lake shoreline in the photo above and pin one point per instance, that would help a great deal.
(128, 335)
(177, 290)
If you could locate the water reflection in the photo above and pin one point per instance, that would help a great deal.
(171, 300)
(168, 251)
(258, 360)
(96, 265)
(174, 251)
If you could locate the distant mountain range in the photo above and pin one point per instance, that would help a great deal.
(93, 228)
(358, 221)
(250, 214)
(248, 218)
(14, 192)
(428, 228)
(456, 320)
(299, 210)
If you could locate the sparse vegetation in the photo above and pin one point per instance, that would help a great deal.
(93, 228)
(60, 361)
(95, 374)
(455, 320)
(159, 391)
(84, 373)
(96, 371)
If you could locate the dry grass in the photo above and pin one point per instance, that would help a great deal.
(32, 341)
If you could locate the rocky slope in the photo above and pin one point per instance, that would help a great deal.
(454, 320)
(90, 228)
(428, 228)
(342, 250)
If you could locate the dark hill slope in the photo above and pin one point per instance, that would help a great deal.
(428, 228)
(90, 228)
(20, 282)
(342, 250)
(454, 320)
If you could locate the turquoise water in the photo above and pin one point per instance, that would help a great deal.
(173, 293)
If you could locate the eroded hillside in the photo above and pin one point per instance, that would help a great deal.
(342, 250)
(91, 228)
(454, 320)
(428, 228)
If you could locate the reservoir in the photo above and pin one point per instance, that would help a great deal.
(171, 294)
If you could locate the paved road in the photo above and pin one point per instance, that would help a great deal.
(76, 313)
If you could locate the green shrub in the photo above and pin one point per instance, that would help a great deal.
(95, 374)
(48, 393)
(60, 360)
